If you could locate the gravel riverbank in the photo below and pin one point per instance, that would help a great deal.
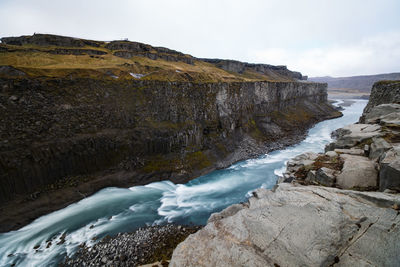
(145, 245)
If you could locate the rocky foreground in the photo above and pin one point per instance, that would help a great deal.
(325, 210)
(145, 245)
(298, 225)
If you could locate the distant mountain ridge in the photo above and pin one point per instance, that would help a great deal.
(362, 83)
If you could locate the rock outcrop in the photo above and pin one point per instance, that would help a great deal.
(241, 67)
(299, 226)
(383, 92)
(363, 156)
(49, 40)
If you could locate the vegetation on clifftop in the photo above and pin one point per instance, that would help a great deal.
(115, 60)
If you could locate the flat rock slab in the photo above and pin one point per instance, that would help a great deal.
(353, 134)
(358, 173)
(390, 119)
(300, 226)
(351, 151)
(375, 114)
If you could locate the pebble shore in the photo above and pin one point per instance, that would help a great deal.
(144, 246)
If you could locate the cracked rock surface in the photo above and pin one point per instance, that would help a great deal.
(297, 225)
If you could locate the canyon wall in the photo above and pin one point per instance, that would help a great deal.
(59, 132)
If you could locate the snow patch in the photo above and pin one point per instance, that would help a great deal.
(137, 75)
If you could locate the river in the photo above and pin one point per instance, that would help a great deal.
(113, 210)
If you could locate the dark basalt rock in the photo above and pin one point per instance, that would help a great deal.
(49, 40)
(126, 49)
(53, 130)
(11, 71)
(382, 92)
(65, 51)
(241, 67)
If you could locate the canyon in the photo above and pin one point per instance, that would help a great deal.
(80, 115)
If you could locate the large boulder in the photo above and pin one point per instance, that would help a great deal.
(358, 173)
(392, 119)
(378, 147)
(375, 114)
(323, 176)
(299, 226)
(301, 160)
(351, 151)
(353, 134)
(389, 174)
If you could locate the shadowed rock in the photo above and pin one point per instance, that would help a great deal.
(378, 147)
(389, 175)
(324, 176)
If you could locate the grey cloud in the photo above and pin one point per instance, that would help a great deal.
(227, 29)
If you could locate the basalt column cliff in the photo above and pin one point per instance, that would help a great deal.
(79, 115)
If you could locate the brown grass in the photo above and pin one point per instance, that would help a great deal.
(36, 61)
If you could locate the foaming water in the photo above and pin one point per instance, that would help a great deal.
(49, 238)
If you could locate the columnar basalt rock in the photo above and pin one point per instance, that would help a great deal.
(56, 128)
(61, 133)
(114, 118)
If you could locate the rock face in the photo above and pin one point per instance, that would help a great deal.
(127, 49)
(55, 128)
(299, 226)
(383, 92)
(48, 40)
(241, 67)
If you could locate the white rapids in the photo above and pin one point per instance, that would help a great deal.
(47, 240)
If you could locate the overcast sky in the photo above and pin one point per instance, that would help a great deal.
(316, 37)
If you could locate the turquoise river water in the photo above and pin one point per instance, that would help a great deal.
(113, 210)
